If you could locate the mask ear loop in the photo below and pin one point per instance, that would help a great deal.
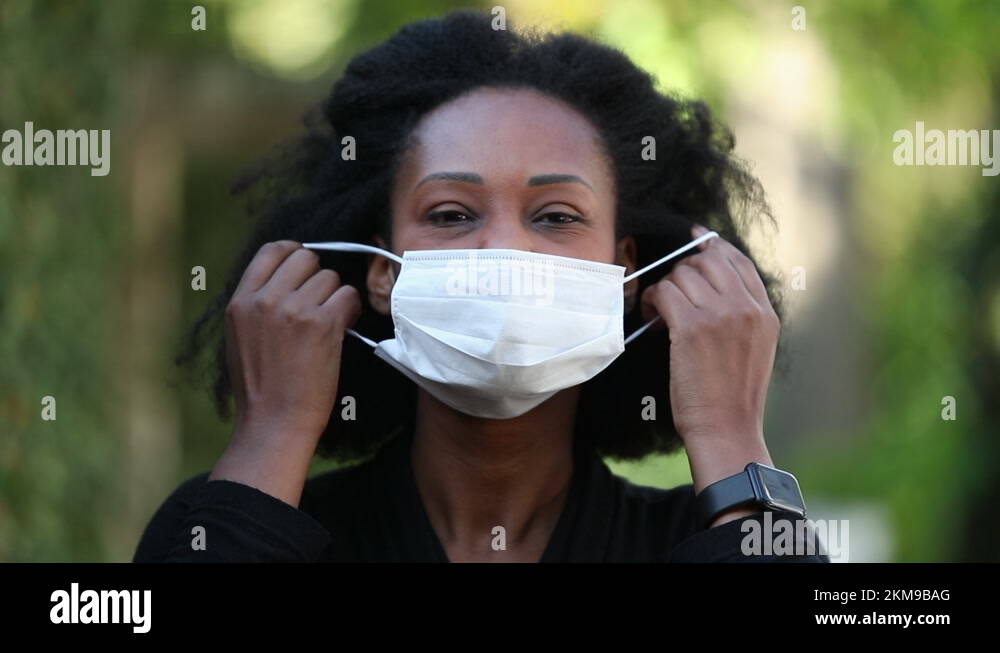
(354, 247)
(694, 243)
(340, 246)
(638, 332)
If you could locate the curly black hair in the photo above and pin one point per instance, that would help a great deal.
(305, 191)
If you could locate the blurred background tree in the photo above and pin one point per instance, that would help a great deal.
(901, 307)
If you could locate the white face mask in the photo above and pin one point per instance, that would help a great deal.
(495, 332)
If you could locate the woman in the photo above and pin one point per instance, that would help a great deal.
(452, 135)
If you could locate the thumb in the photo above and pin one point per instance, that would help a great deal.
(667, 300)
(648, 308)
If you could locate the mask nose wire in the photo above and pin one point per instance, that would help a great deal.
(339, 246)
(694, 243)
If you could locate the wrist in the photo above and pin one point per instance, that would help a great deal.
(716, 459)
(274, 472)
(270, 458)
(748, 428)
(270, 427)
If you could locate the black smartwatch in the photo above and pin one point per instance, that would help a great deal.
(757, 485)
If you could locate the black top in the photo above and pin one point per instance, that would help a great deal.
(372, 512)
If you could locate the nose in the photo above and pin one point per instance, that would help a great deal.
(505, 230)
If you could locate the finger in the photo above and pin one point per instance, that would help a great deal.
(318, 288)
(697, 231)
(343, 307)
(717, 270)
(694, 286)
(292, 272)
(264, 263)
(648, 310)
(747, 272)
(670, 302)
(744, 268)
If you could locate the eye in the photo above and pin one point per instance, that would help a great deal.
(448, 217)
(559, 218)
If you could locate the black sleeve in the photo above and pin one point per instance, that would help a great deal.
(241, 524)
(725, 543)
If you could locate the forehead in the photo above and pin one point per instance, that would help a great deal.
(495, 129)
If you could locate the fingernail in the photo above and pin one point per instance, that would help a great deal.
(699, 230)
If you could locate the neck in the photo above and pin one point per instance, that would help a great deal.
(474, 474)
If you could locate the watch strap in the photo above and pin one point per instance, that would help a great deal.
(730, 492)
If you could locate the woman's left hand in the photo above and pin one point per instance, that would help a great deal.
(723, 337)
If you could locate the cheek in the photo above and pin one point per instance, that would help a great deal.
(405, 232)
(606, 243)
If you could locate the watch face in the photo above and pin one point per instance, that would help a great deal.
(781, 489)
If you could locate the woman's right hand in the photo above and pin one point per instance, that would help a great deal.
(284, 330)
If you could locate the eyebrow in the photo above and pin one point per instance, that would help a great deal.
(473, 178)
(467, 177)
(542, 180)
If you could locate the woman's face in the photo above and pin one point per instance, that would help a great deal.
(504, 168)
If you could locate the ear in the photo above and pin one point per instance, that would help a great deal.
(381, 278)
(625, 255)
